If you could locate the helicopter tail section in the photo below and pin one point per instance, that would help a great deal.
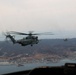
(11, 37)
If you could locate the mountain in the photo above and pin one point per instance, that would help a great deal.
(45, 46)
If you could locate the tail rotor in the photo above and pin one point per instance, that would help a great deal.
(6, 36)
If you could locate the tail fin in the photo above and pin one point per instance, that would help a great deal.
(11, 37)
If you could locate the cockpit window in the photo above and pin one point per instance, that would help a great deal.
(35, 33)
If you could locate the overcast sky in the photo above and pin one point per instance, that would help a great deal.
(56, 16)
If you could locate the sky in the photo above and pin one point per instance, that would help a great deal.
(56, 16)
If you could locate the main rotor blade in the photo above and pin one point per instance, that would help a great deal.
(30, 33)
(19, 33)
(45, 33)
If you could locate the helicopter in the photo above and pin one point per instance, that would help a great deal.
(65, 39)
(30, 38)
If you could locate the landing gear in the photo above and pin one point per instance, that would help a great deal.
(31, 45)
(22, 45)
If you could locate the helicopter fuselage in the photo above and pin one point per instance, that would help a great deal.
(29, 40)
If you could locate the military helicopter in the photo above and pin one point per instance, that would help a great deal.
(30, 38)
(65, 39)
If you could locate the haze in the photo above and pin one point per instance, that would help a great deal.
(56, 16)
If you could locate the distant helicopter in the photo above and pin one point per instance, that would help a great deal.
(65, 39)
(30, 39)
